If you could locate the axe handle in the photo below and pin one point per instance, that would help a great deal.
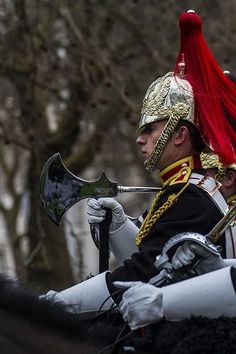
(104, 241)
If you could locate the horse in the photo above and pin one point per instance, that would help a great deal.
(30, 324)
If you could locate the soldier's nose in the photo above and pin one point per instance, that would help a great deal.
(140, 140)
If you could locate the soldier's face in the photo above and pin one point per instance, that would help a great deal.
(149, 136)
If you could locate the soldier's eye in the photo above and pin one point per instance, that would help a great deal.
(149, 129)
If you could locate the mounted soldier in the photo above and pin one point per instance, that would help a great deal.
(183, 112)
(226, 175)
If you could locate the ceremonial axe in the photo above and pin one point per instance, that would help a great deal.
(60, 190)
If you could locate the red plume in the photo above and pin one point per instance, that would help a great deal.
(214, 93)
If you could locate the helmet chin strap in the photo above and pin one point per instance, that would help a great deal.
(168, 130)
(151, 163)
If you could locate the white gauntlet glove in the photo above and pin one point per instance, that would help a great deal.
(141, 304)
(207, 262)
(211, 295)
(96, 212)
(122, 231)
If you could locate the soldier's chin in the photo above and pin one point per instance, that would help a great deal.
(145, 157)
(146, 161)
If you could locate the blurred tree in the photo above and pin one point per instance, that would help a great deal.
(73, 74)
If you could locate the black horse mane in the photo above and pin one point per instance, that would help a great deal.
(32, 325)
(51, 317)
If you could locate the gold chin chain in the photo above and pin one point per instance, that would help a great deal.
(221, 173)
(154, 215)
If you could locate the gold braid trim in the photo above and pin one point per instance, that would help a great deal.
(153, 216)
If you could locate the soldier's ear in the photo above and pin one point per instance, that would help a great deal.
(181, 135)
(230, 178)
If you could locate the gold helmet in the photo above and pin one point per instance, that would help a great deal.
(169, 97)
(211, 161)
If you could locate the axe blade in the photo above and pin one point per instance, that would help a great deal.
(60, 189)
